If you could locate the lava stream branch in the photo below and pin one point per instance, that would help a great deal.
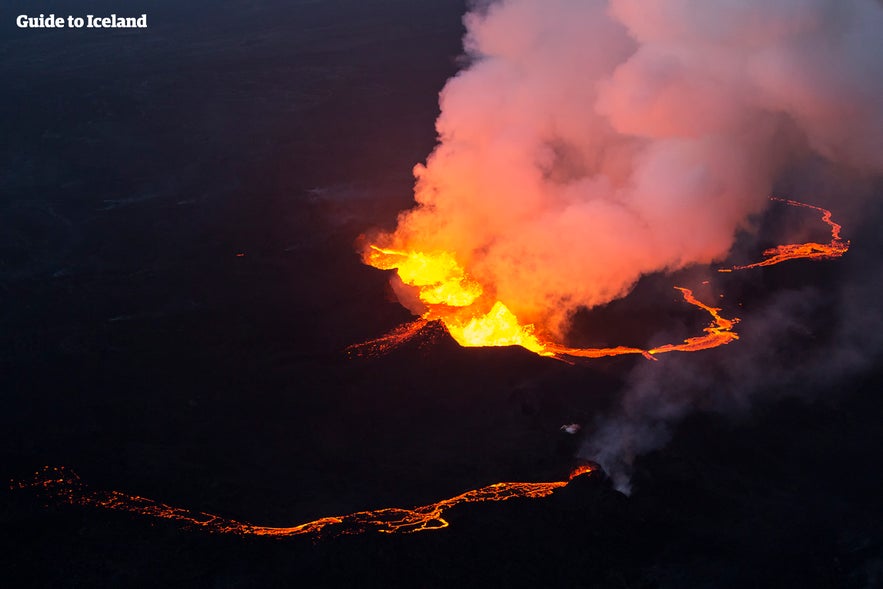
(796, 251)
(718, 333)
(63, 485)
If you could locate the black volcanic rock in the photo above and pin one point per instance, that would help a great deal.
(179, 283)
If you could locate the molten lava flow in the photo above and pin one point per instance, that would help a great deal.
(66, 486)
(579, 470)
(718, 333)
(795, 251)
(463, 307)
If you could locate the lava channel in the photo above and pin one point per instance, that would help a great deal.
(796, 251)
(64, 485)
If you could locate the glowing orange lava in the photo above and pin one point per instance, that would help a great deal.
(500, 327)
(795, 251)
(385, 343)
(718, 333)
(455, 299)
(64, 485)
(475, 319)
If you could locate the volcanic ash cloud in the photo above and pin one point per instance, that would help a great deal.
(591, 142)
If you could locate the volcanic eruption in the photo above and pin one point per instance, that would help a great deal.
(591, 143)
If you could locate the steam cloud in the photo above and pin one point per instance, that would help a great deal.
(591, 142)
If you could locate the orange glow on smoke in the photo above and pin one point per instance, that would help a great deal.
(64, 485)
(474, 318)
(795, 251)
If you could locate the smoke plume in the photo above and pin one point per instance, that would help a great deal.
(590, 142)
(803, 341)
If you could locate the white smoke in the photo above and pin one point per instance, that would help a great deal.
(591, 142)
